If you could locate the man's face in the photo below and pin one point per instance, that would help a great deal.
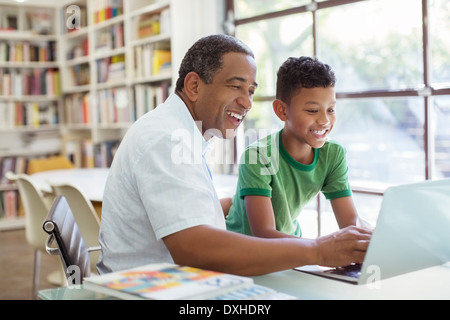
(222, 105)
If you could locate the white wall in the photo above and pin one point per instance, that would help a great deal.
(191, 20)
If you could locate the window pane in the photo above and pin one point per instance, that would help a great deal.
(260, 121)
(274, 42)
(384, 139)
(371, 46)
(368, 207)
(439, 39)
(250, 8)
(442, 137)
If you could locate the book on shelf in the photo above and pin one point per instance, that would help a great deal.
(148, 25)
(80, 74)
(11, 205)
(77, 108)
(110, 38)
(85, 153)
(173, 282)
(27, 51)
(31, 114)
(151, 61)
(111, 69)
(147, 97)
(114, 106)
(106, 9)
(30, 82)
(79, 49)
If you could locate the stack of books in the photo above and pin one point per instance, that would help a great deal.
(173, 282)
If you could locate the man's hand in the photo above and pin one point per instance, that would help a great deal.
(348, 245)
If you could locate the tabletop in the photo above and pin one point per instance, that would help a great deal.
(426, 284)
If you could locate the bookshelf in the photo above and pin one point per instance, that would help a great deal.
(115, 61)
(30, 94)
(116, 65)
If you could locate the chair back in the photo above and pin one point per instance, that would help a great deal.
(82, 209)
(35, 206)
(60, 225)
(84, 213)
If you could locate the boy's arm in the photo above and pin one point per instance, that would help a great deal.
(261, 217)
(345, 211)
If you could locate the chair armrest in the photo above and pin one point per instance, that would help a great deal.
(96, 248)
(48, 245)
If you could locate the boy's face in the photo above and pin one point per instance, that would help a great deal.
(310, 116)
(223, 104)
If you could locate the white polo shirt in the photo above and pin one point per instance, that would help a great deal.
(159, 184)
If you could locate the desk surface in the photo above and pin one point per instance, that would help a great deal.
(92, 181)
(431, 283)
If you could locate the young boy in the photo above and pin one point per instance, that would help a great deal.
(282, 172)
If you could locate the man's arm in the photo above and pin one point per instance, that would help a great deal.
(216, 249)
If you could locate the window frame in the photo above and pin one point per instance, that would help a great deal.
(427, 92)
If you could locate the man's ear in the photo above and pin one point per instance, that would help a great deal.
(191, 85)
(279, 107)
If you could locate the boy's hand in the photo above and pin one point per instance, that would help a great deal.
(346, 246)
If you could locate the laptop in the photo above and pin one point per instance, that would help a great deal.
(412, 233)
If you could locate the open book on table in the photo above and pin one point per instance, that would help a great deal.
(174, 282)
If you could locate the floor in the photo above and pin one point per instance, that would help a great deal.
(16, 266)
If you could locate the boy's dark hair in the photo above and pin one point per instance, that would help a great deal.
(303, 72)
(205, 57)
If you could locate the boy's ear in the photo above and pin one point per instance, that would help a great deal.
(279, 107)
(191, 85)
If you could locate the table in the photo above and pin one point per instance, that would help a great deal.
(430, 283)
(92, 181)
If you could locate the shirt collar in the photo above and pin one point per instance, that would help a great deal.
(182, 109)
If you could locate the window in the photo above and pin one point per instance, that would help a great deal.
(393, 83)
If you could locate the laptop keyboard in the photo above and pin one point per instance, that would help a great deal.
(352, 270)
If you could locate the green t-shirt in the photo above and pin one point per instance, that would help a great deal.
(266, 169)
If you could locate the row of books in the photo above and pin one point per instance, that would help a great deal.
(79, 49)
(80, 74)
(17, 164)
(10, 206)
(110, 38)
(106, 9)
(149, 60)
(147, 97)
(39, 21)
(152, 24)
(87, 154)
(111, 69)
(112, 106)
(77, 108)
(26, 51)
(30, 114)
(30, 82)
(117, 105)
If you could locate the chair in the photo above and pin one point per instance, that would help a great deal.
(60, 225)
(51, 163)
(84, 213)
(36, 208)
